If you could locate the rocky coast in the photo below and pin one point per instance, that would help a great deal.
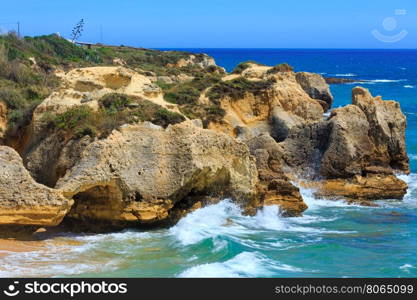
(140, 140)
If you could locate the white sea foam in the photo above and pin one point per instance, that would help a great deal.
(407, 267)
(382, 81)
(411, 180)
(413, 156)
(245, 264)
(346, 75)
(409, 86)
(208, 222)
(315, 203)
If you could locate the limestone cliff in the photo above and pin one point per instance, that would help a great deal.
(265, 131)
(22, 200)
(145, 174)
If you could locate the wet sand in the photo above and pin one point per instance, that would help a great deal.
(11, 245)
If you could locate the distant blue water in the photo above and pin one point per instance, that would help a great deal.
(332, 239)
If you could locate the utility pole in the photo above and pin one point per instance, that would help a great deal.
(18, 29)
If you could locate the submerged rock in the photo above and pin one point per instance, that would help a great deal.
(22, 200)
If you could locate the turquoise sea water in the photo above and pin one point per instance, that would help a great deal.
(332, 239)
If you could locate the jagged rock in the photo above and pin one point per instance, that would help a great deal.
(142, 173)
(349, 147)
(22, 200)
(275, 110)
(387, 126)
(316, 87)
(356, 147)
(274, 187)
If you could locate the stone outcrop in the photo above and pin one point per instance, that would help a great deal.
(316, 87)
(275, 110)
(144, 174)
(387, 126)
(274, 187)
(355, 152)
(48, 155)
(22, 200)
(362, 189)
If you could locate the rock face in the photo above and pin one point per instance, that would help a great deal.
(357, 147)
(316, 87)
(361, 189)
(144, 173)
(22, 200)
(275, 110)
(274, 187)
(48, 155)
(386, 129)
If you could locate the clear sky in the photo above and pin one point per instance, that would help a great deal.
(223, 23)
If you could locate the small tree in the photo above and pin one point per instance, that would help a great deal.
(77, 30)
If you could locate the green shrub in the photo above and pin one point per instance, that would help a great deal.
(237, 88)
(280, 68)
(73, 117)
(164, 117)
(114, 102)
(244, 65)
(182, 94)
(13, 98)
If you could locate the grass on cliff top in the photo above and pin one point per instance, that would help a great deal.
(27, 65)
(280, 68)
(244, 65)
(237, 88)
(115, 110)
(187, 94)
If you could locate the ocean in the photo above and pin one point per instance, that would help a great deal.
(332, 239)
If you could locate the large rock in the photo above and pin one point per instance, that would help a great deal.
(387, 126)
(47, 155)
(143, 173)
(22, 200)
(357, 147)
(275, 110)
(348, 144)
(316, 87)
(360, 189)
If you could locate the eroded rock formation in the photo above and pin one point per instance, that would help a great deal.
(142, 173)
(22, 200)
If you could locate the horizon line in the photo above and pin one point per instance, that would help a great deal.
(279, 48)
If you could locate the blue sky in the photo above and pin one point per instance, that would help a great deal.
(222, 24)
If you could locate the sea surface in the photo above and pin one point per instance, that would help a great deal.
(332, 239)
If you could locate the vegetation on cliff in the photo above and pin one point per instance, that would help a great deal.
(27, 77)
(115, 110)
